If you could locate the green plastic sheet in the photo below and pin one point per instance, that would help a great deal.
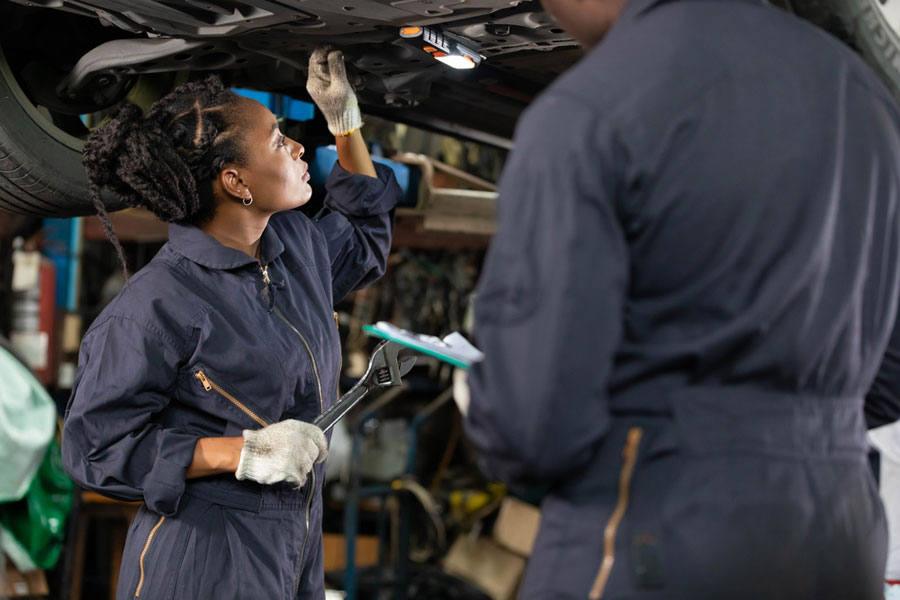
(36, 524)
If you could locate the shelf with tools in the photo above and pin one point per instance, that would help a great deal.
(455, 210)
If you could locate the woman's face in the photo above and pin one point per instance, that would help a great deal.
(273, 174)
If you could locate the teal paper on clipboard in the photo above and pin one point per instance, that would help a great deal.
(453, 348)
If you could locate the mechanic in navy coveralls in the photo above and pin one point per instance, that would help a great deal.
(692, 285)
(196, 385)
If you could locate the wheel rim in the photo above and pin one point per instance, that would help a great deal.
(144, 92)
(39, 119)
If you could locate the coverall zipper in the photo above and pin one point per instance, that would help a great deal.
(267, 282)
(337, 384)
(264, 270)
(209, 385)
(137, 592)
(629, 458)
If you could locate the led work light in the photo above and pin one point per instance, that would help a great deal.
(445, 49)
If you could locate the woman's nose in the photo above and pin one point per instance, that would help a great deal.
(298, 150)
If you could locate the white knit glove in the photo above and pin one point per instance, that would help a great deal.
(329, 88)
(285, 451)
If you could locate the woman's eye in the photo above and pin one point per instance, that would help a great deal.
(281, 141)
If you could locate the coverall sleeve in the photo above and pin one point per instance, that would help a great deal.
(357, 223)
(549, 304)
(112, 443)
(883, 400)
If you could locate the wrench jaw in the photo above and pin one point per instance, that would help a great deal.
(385, 370)
(392, 374)
(377, 365)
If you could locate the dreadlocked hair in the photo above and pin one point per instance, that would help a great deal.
(166, 161)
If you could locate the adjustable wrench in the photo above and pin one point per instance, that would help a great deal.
(385, 370)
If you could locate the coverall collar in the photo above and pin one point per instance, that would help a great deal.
(200, 247)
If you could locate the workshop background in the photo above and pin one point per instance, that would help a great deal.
(404, 497)
(407, 513)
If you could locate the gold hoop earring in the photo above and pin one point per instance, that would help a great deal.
(248, 200)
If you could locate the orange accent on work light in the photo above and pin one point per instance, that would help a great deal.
(411, 31)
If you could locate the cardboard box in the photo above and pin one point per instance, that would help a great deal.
(486, 564)
(517, 525)
(335, 551)
(19, 585)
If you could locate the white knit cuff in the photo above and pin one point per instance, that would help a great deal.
(347, 122)
(248, 467)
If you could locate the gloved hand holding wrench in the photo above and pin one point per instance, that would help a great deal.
(286, 451)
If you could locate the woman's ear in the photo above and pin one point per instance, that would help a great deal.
(232, 182)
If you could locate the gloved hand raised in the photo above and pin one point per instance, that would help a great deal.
(284, 451)
(329, 88)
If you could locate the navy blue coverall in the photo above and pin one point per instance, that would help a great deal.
(197, 345)
(692, 285)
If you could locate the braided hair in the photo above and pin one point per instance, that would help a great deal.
(166, 160)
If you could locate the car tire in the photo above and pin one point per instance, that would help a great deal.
(40, 165)
(862, 25)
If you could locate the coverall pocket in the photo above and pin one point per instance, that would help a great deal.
(612, 545)
(643, 546)
(238, 410)
(238, 554)
(154, 550)
(632, 560)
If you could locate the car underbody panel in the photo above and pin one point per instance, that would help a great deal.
(265, 44)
